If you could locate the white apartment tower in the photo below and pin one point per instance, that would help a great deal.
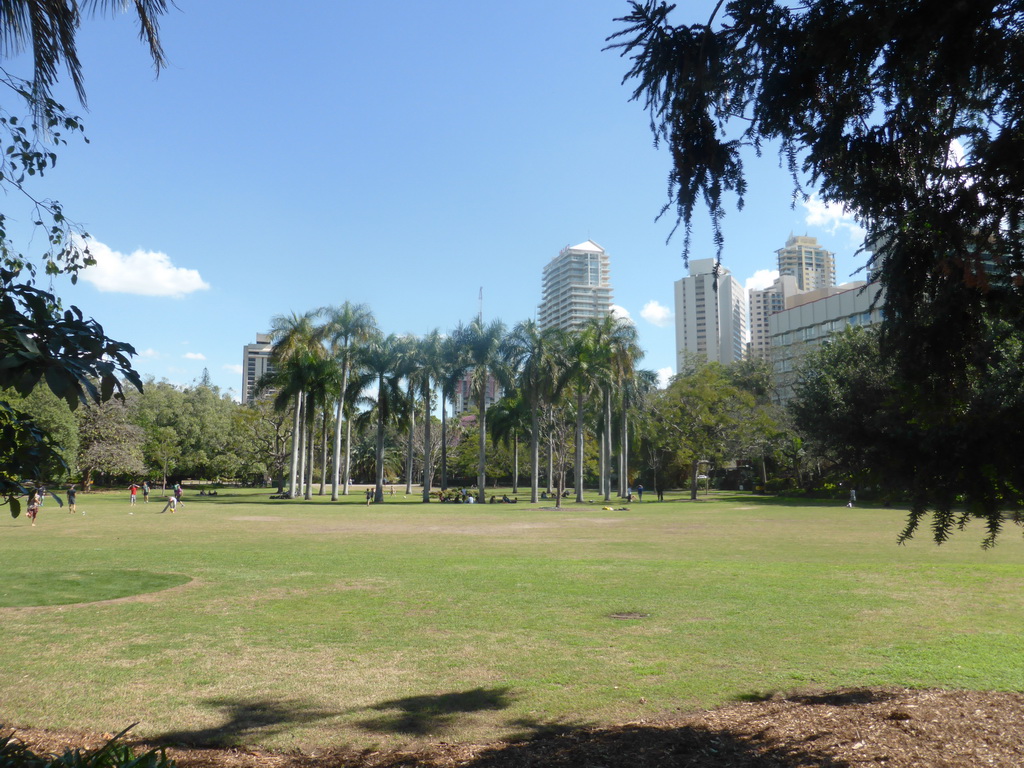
(764, 303)
(807, 261)
(255, 363)
(576, 287)
(711, 321)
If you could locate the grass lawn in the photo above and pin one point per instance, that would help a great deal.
(285, 624)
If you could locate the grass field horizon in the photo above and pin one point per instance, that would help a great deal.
(291, 625)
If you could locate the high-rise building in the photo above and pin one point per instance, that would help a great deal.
(764, 303)
(807, 261)
(463, 398)
(576, 287)
(711, 316)
(255, 363)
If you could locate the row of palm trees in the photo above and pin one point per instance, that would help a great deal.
(334, 365)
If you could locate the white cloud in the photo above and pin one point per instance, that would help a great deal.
(761, 279)
(151, 354)
(143, 273)
(664, 374)
(233, 368)
(833, 218)
(194, 356)
(656, 314)
(621, 312)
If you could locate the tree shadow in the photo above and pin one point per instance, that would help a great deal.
(430, 714)
(638, 745)
(840, 698)
(245, 722)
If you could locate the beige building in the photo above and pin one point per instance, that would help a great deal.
(809, 318)
(806, 260)
(576, 287)
(763, 304)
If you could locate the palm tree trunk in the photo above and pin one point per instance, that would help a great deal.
(409, 451)
(579, 446)
(624, 455)
(378, 495)
(515, 462)
(534, 454)
(311, 451)
(339, 412)
(348, 455)
(323, 451)
(607, 445)
(481, 469)
(296, 440)
(427, 468)
(303, 430)
(444, 440)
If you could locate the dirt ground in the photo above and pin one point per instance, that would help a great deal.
(889, 727)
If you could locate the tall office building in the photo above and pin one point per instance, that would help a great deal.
(764, 303)
(576, 287)
(807, 261)
(255, 363)
(711, 321)
(463, 398)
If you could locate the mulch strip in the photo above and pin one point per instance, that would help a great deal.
(889, 727)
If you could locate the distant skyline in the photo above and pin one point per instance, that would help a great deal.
(285, 162)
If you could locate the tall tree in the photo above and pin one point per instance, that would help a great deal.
(348, 327)
(910, 114)
(484, 347)
(382, 359)
(535, 356)
(451, 367)
(296, 347)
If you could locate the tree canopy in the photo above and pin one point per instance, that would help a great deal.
(908, 113)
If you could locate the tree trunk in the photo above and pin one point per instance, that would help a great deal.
(296, 438)
(427, 468)
(534, 454)
(409, 451)
(444, 440)
(481, 469)
(323, 452)
(378, 496)
(693, 480)
(515, 462)
(311, 442)
(579, 447)
(348, 455)
(303, 430)
(607, 444)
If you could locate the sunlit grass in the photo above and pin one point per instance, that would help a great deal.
(296, 624)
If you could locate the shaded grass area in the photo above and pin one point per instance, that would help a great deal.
(319, 623)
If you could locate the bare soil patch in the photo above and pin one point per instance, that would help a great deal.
(890, 727)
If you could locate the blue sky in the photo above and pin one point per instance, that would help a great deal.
(402, 155)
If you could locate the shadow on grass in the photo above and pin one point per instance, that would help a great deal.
(429, 714)
(245, 721)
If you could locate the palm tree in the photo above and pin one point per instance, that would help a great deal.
(508, 419)
(539, 374)
(347, 327)
(431, 370)
(617, 340)
(295, 346)
(585, 372)
(48, 31)
(451, 365)
(381, 359)
(484, 346)
(410, 369)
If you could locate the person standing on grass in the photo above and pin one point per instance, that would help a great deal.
(639, 492)
(134, 489)
(33, 506)
(145, 491)
(72, 495)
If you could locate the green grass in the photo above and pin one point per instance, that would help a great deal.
(291, 624)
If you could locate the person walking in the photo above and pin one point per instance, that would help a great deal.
(33, 506)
